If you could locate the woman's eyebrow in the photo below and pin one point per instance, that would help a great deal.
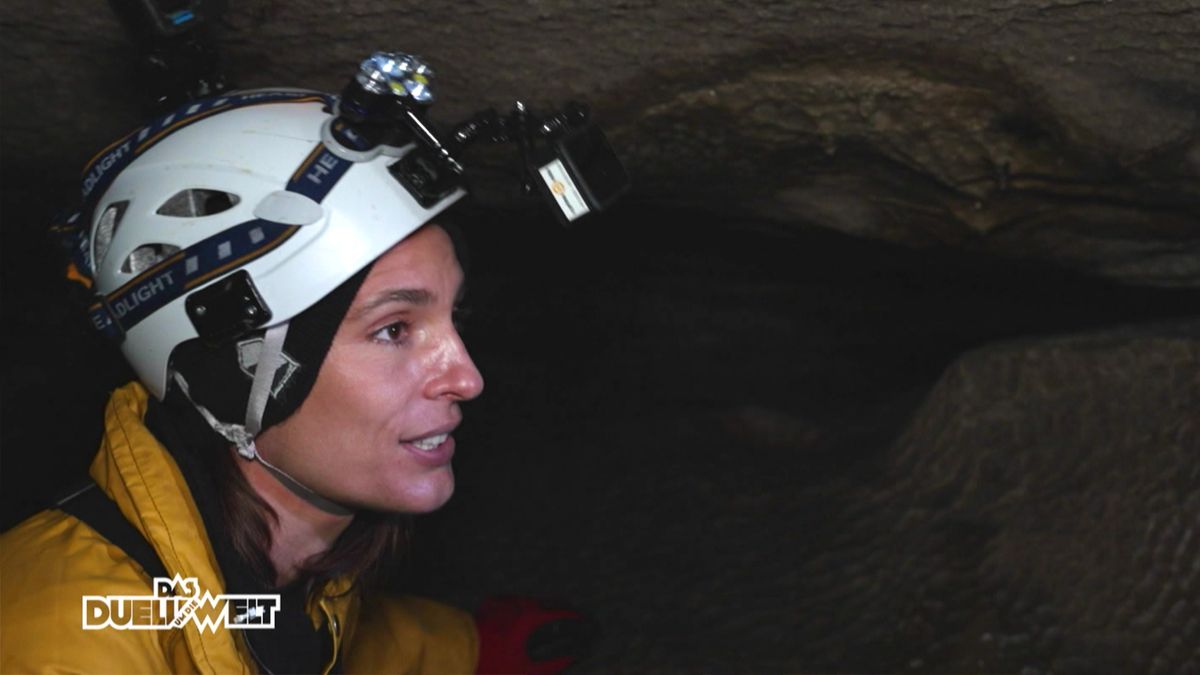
(411, 296)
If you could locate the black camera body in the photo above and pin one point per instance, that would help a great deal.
(579, 173)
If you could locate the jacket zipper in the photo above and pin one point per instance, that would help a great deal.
(335, 632)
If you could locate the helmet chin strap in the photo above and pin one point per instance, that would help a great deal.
(242, 436)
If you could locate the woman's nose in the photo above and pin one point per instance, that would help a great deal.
(457, 377)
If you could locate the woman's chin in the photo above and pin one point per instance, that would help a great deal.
(426, 495)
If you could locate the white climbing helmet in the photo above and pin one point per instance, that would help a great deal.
(232, 214)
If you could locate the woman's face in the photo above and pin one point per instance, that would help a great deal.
(375, 431)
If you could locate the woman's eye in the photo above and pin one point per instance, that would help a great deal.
(393, 333)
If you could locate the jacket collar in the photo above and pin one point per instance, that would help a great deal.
(150, 489)
(145, 482)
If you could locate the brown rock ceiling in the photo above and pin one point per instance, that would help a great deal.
(1063, 131)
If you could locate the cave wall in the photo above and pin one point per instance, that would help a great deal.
(1063, 131)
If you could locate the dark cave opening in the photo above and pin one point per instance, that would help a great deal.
(664, 377)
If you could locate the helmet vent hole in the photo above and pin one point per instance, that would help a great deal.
(147, 256)
(106, 227)
(196, 203)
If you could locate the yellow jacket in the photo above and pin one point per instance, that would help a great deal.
(49, 562)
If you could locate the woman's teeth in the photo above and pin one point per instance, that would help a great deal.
(430, 442)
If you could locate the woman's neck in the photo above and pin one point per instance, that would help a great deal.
(301, 529)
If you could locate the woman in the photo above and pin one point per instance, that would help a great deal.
(288, 307)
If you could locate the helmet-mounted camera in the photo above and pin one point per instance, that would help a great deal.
(564, 156)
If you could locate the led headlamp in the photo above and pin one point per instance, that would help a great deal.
(565, 157)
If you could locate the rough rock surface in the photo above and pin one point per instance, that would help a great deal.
(1059, 130)
(1037, 470)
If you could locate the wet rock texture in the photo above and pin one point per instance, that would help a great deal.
(1056, 130)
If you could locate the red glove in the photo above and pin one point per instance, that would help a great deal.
(519, 635)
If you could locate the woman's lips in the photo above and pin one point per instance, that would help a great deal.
(433, 450)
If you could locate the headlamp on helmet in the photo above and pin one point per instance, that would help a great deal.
(564, 156)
